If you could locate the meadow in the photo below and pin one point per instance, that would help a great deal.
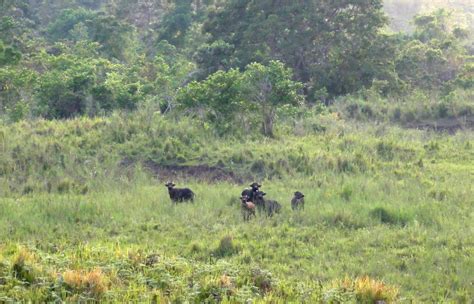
(85, 216)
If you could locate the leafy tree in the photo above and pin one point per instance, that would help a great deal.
(214, 57)
(17, 25)
(235, 98)
(78, 82)
(435, 54)
(143, 14)
(8, 55)
(16, 86)
(219, 99)
(66, 21)
(113, 36)
(465, 78)
(270, 87)
(421, 65)
(177, 22)
(165, 74)
(62, 91)
(314, 38)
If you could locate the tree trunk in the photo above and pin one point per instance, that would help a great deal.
(267, 125)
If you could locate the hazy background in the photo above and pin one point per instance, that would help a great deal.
(401, 12)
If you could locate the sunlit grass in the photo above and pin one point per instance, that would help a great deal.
(388, 209)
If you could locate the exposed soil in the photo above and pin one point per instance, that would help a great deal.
(199, 172)
(448, 125)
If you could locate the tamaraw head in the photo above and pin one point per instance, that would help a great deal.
(170, 185)
(299, 194)
(255, 186)
(244, 198)
(260, 195)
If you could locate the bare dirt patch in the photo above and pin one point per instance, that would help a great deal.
(200, 172)
(206, 173)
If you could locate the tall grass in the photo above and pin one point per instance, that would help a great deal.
(389, 209)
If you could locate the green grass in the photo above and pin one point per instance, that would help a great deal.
(419, 109)
(394, 205)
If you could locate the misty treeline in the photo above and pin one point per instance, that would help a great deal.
(223, 61)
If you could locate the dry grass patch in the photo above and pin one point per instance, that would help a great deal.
(93, 283)
(368, 290)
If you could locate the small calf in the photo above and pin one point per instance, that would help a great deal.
(297, 202)
(270, 206)
(179, 195)
(248, 208)
(250, 193)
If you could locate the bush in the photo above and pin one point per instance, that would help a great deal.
(385, 151)
(385, 216)
(23, 267)
(346, 193)
(235, 100)
(226, 247)
(344, 220)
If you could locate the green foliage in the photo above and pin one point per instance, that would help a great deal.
(140, 54)
(176, 23)
(79, 24)
(388, 210)
(270, 87)
(418, 109)
(18, 112)
(234, 99)
(220, 95)
(402, 12)
(62, 94)
(75, 83)
(226, 247)
(214, 57)
(465, 77)
(16, 85)
(66, 22)
(8, 55)
(435, 56)
(389, 217)
(318, 40)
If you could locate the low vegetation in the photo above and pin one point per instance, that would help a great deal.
(158, 151)
(388, 208)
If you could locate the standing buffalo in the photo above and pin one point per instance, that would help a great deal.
(298, 201)
(250, 193)
(178, 195)
(269, 206)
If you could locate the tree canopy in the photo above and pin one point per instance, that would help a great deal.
(229, 58)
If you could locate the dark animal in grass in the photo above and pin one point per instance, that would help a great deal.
(297, 202)
(250, 193)
(259, 201)
(269, 206)
(248, 208)
(178, 195)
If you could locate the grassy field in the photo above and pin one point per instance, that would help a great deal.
(84, 216)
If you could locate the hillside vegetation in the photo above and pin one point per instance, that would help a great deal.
(391, 204)
(104, 102)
